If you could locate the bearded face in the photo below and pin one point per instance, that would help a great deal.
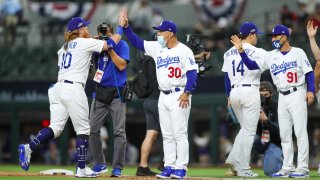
(86, 32)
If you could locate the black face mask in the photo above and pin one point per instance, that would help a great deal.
(265, 101)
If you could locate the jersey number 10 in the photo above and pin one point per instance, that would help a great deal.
(65, 58)
(292, 77)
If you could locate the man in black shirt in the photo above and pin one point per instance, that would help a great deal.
(150, 107)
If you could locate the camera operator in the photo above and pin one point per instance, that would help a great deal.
(267, 140)
(108, 97)
(201, 54)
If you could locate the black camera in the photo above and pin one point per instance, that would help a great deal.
(103, 29)
(195, 44)
(128, 91)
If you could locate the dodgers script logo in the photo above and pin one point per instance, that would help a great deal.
(164, 62)
(276, 69)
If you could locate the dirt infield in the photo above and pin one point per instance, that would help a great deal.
(24, 174)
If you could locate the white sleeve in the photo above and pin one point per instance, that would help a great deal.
(150, 48)
(94, 45)
(190, 61)
(260, 57)
(305, 64)
(224, 66)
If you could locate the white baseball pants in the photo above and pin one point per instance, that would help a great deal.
(245, 102)
(68, 100)
(174, 128)
(292, 111)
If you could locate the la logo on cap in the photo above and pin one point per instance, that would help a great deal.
(80, 24)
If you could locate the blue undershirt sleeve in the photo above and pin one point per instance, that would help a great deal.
(227, 84)
(310, 81)
(133, 38)
(251, 65)
(191, 80)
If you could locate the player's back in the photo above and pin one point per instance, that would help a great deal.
(237, 71)
(74, 59)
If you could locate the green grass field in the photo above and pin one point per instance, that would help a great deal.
(128, 172)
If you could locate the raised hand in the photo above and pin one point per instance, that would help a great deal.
(236, 41)
(311, 30)
(123, 18)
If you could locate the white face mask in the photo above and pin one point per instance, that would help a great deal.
(161, 41)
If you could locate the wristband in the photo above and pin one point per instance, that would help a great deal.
(111, 44)
(119, 30)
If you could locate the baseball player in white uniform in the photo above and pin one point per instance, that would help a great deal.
(176, 74)
(312, 31)
(291, 72)
(67, 97)
(242, 87)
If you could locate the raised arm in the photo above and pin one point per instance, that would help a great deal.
(251, 65)
(116, 37)
(312, 31)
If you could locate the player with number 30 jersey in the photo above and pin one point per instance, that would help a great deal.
(176, 71)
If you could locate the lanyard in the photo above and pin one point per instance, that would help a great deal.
(105, 59)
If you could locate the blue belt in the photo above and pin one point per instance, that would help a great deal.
(171, 91)
(294, 89)
(243, 85)
(67, 81)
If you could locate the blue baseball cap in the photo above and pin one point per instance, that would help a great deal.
(77, 23)
(166, 25)
(247, 28)
(280, 30)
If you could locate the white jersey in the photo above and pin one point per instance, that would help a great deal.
(171, 64)
(286, 70)
(237, 71)
(74, 62)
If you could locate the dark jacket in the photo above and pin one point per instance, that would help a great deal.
(272, 124)
(149, 67)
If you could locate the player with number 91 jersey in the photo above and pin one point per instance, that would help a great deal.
(171, 64)
(237, 71)
(74, 60)
(287, 70)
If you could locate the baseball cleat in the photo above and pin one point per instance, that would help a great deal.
(281, 174)
(247, 174)
(299, 174)
(116, 172)
(86, 173)
(229, 173)
(24, 156)
(100, 168)
(178, 174)
(232, 168)
(166, 173)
